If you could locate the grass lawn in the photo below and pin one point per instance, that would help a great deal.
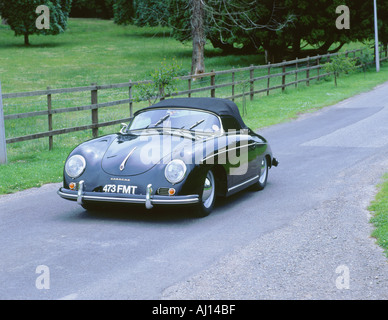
(97, 51)
(379, 209)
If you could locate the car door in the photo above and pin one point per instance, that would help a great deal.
(241, 154)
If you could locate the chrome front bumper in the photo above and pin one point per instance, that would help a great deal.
(148, 199)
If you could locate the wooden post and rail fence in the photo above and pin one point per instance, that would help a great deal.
(297, 67)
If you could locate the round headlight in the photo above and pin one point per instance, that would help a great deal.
(75, 166)
(175, 171)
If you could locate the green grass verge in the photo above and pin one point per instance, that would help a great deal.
(379, 210)
(32, 170)
(284, 106)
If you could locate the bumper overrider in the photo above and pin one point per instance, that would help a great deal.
(149, 200)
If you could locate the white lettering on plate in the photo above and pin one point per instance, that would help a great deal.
(120, 188)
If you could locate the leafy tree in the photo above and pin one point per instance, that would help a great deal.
(141, 13)
(92, 9)
(163, 82)
(364, 60)
(199, 20)
(367, 13)
(307, 23)
(282, 28)
(124, 11)
(21, 16)
(314, 25)
(151, 13)
(340, 64)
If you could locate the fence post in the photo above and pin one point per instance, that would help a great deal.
(232, 85)
(189, 86)
(308, 71)
(252, 87)
(212, 84)
(3, 142)
(296, 73)
(50, 119)
(381, 52)
(130, 99)
(269, 78)
(94, 100)
(319, 65)
(284, 76)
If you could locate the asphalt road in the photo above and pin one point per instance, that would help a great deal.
(306, 236)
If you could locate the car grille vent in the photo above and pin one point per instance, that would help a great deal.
(162, 191)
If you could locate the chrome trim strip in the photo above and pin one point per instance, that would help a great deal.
(169, 200)
(226, 150)
(241, 184)
(176, 201)
(148, 201)
(114, 199)
(67, 196)
(122, 165)
(80, 192)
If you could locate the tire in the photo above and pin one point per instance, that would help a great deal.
(207, 197)
(260, 185)
(86, 207)
(91, 207)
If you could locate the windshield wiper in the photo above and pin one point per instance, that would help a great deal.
(161, 120)
(196, 124)
(179, 132)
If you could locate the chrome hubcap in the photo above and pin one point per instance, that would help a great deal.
(208, 190)
(264, 169)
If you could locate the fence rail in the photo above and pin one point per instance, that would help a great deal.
(299, 67)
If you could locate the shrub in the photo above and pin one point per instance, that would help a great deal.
(340, 64)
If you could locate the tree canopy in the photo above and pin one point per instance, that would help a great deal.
(21, 16)
(281, 28)
(102, 9)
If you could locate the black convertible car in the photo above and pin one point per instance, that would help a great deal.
(182, 151)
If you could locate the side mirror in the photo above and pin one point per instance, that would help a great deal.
(124, 128)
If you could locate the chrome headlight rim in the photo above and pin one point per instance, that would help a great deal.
(80, 171)
(182, 174)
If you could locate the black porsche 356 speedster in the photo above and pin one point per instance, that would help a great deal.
(182, 151)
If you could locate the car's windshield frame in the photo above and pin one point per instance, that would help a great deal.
(199, 111)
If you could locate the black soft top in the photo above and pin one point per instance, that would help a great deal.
(221, 107)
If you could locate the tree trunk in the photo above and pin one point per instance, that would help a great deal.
(296, 46)
(326, 46)
(26, 40)
(198, 36)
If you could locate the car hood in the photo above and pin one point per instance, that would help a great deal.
(135, 154)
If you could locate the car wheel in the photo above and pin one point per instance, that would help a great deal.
(260, 185)
(207, 197)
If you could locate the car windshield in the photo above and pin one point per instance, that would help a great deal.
(195, 120)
